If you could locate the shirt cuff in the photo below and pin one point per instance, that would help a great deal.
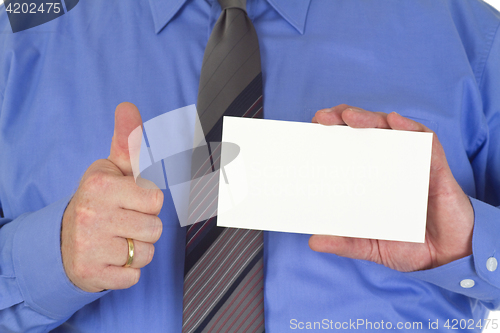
(38, 264)
(477, 275)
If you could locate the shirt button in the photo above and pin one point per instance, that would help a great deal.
(467, 283)
(491, 264)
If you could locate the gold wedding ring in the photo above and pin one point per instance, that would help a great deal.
(130, 252)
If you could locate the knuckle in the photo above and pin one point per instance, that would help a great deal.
(79, 246)
(151, 252)
(97, 180)
(135, 276)
(80, 249)
(157, 201)
(83, 215)
(157, 229)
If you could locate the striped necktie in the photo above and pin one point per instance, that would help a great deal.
(223, 276)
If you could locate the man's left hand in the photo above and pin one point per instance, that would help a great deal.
(450, 217)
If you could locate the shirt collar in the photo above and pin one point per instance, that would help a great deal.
(293, 11)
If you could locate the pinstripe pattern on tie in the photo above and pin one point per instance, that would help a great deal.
(223, 282)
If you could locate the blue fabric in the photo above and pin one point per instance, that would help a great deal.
(437, 62)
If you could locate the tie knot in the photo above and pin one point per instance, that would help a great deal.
(241, 4)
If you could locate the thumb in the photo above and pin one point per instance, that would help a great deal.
(127, 118)
(355, 248)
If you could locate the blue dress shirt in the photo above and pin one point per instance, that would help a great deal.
(435, 61)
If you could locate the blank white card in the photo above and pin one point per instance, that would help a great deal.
(333, 180)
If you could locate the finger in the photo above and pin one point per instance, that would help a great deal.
(439, 165)
(127, 119)
(118, 253)
(146, 183)
(398, 122)
(359, 118)
(116, 190)
(114, 277)
(127, 195)
(355, 248)
(138, 226)
(330, 116)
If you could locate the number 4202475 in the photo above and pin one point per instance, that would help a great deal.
(33, 8)
(455, 324)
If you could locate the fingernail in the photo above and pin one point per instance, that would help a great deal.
(355, 109)
(326, 110)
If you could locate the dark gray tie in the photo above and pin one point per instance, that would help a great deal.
(223, 282)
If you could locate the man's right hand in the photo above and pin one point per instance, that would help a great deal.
(108, 208)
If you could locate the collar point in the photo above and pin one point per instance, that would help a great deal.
(294, 11)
